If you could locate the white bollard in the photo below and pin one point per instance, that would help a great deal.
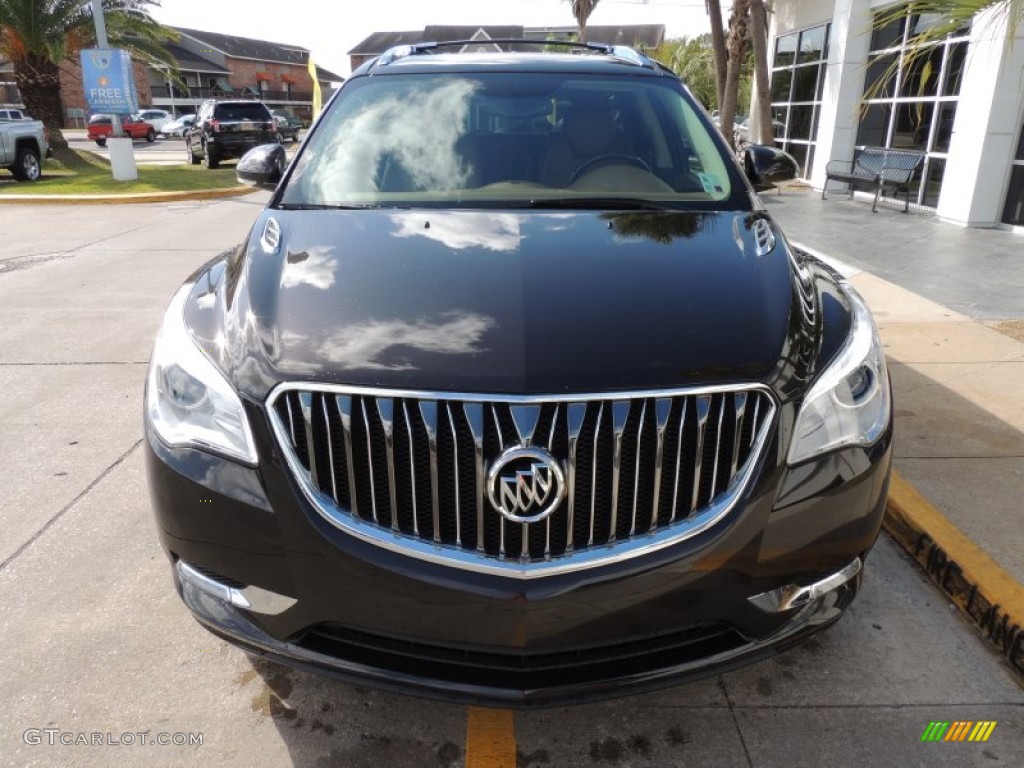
(122, 159)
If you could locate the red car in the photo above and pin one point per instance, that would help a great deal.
(100, 127)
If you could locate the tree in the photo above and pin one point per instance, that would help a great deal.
(947, 17)
(581, 10)
(721, 58)
(694, 61)
(761, 114)
(737, 47)
(37, 36)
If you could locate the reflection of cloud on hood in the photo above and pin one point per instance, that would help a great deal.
(463, 229)
(315, 267)
(416, 132)
(364, 345)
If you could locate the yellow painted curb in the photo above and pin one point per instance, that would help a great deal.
(988, 596)
(490, 738)
(136, 197)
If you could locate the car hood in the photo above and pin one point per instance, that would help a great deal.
(510, 302)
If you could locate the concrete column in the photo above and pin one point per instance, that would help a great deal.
(986, 127)
(848, 42)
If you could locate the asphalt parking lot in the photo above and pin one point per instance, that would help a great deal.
(163, 151)
(93, 639)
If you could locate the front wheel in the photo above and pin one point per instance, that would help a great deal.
(26, 165)
(193, 159)
(150, 136)
(101, 142)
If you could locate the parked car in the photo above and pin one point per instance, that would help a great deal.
(225, 129)
(158, 118)
(13, 114)
(178, 127)
(133, 126)
(287, 127)
(742, 131)
(22, 148)
(516, 393)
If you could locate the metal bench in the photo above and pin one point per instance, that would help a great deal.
(878, 168)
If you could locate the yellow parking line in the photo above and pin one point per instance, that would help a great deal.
(490, 738)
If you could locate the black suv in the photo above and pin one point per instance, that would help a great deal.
(516, 393)
(225, 129)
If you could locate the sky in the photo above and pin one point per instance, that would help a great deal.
(331, 28)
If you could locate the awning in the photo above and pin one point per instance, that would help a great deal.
(289, 79)
(264, 76)
(222, 85)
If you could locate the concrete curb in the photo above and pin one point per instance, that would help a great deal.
(140, 197)
(985, 594)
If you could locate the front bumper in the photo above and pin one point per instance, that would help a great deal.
(762, 580)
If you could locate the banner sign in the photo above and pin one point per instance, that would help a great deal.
(109, 81)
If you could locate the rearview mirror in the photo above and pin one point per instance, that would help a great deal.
(262, 166)
(766, 166)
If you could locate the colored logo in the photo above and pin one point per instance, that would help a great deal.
(958, 730)
(525, 484)
(100, 59)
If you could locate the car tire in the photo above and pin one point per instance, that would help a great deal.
(210, 159)
(26, 165)
(101, 142)
(150, 136)
(193, 159)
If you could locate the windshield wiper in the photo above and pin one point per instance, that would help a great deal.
(599, 203)
(322, 206)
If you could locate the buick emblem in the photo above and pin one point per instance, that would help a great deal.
(525, 484)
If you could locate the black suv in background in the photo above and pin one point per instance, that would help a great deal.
(516, 393)
(225, 129)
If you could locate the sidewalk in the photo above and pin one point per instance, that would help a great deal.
(958, 383)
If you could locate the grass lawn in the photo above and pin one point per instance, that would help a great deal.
(74, 172)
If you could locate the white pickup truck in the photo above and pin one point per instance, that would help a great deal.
(22, 148)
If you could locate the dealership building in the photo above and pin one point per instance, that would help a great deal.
(961, 102)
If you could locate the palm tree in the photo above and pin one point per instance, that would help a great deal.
(581, 10)
(37, 36)
(948, 16)
(714, 9)
(762, 94)
(737, 46)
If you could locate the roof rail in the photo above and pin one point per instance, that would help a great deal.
(622, 52)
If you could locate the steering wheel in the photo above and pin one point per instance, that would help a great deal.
(610, 159)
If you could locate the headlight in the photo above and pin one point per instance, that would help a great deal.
(189, 402)
(850, 402)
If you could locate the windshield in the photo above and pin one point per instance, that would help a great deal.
(532, 139)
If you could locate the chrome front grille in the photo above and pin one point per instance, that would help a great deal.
(407, 470)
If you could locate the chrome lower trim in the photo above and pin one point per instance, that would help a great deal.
(796, 596)
(476, 561)
(250, 598)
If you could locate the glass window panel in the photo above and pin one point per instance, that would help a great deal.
(821, 83)
(874, 125)
(1020, 144)
(781, 79)
(812, 45)
(779, 117)
(785, 50)
(800, 122)
(944, 128)
(1013, 213)
(921, 73)
(935, 172)
(954, 69)
(814, 123)
(913, 123)
(888, 36)
(878, 67)
(920, 22)
(799, 153)
(805, 83)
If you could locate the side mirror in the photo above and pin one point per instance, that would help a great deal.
(262, 166)
(766, 166)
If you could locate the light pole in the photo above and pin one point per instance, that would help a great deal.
(120, 150)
